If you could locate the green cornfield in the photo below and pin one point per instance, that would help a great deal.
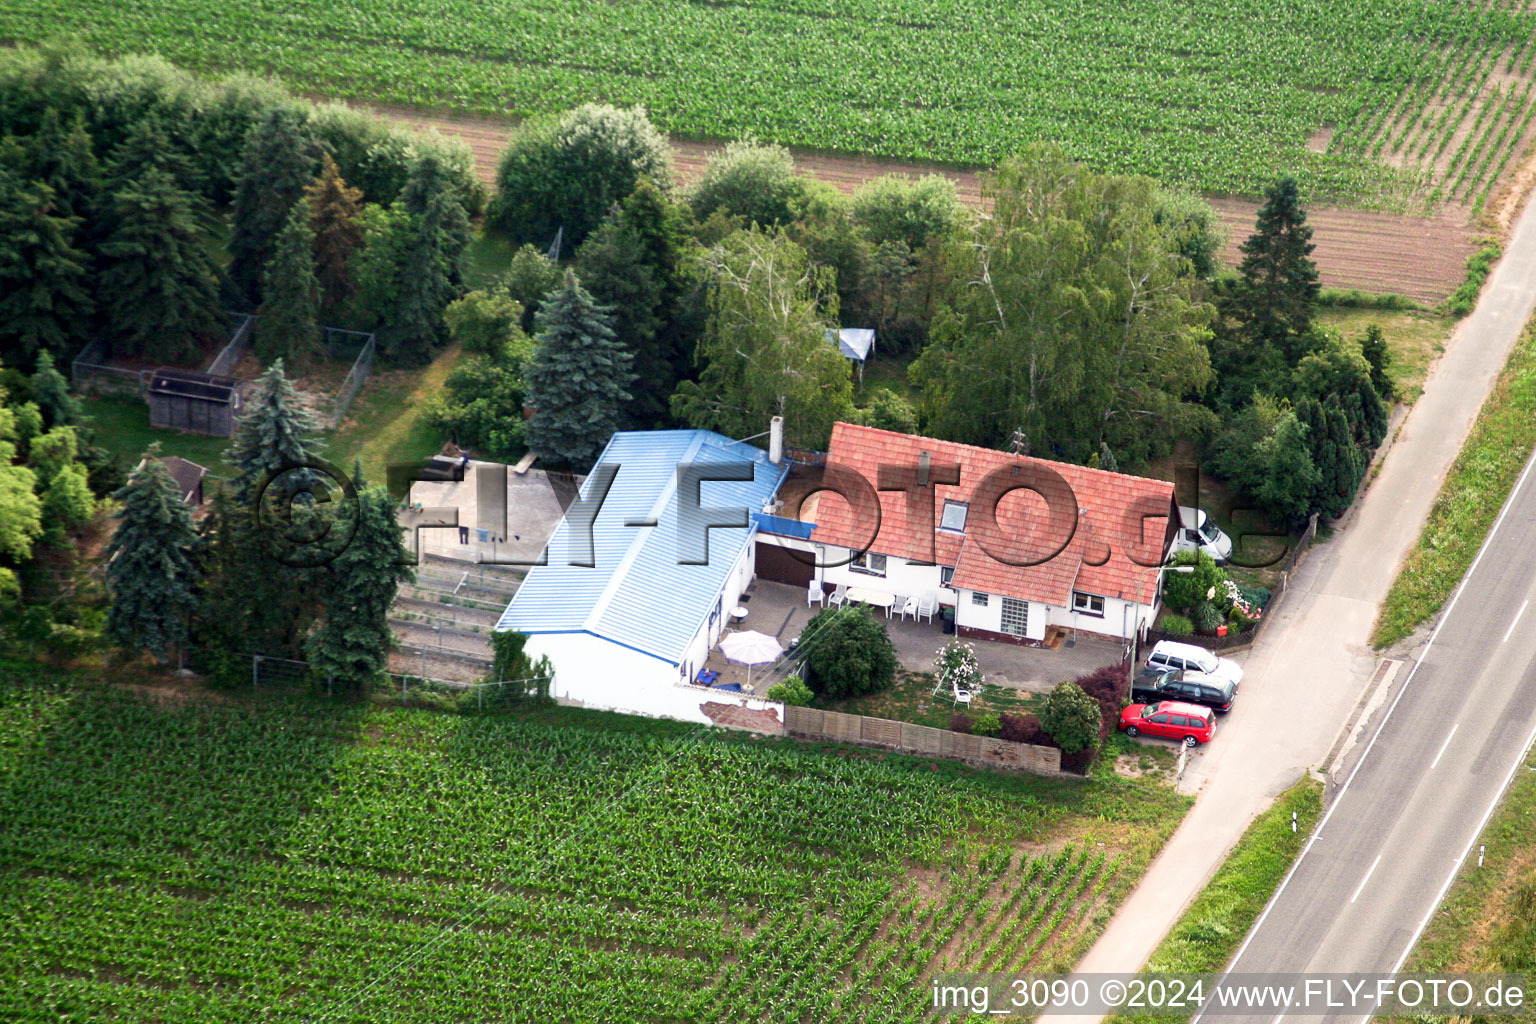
(216, 860)
(1386, 103)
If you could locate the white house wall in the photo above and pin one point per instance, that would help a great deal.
(591, 672)
(990, 617)
(908, 579)
(1121, 618)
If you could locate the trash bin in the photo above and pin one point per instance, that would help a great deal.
(947, 616)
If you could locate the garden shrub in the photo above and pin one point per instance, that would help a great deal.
(1071, 718)
(987, 724)
(850, 653)
(1178, 625)
(960, 722)
(1207, 617)
(792, 691)
(1022, 729)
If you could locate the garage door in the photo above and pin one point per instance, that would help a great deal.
(781, 566)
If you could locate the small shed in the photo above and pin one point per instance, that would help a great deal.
(190, 400)
(188, 477)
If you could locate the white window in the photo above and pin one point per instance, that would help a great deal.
(870, 563)
(978, 598)
(1088, 604)
(1015, 617)
(953, 517)
(946, 576)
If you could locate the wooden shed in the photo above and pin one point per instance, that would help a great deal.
(190, 400)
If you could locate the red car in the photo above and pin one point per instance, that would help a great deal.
(1188, 723)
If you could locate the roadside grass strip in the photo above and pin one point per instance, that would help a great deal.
(1475, 489)
(1206, 937)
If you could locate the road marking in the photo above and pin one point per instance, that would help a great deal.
(1510, 632)
(1338, 798)
(1367, 878)
(1444, 745)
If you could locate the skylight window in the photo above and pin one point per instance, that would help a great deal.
(953, 517)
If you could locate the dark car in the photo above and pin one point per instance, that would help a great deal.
(1153, 684)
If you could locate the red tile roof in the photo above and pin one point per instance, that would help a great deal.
(1098, 533)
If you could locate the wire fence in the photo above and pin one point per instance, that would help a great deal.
(338, 341)
(265, 673)
(235, 349)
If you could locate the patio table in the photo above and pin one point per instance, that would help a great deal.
(865, 595)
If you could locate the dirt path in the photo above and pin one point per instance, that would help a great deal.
(1418, 256)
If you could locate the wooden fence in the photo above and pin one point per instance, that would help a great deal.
(922, 741)
(1250, 636)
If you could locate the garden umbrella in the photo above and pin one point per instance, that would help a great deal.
(750, 648)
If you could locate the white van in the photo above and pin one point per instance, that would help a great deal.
(1198, 532)
(1190, 658)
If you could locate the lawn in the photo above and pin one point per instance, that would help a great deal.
(911, 699)
(1415, 338)
(122, 427)
(1220, 96)
(388, 423)
(181, 856)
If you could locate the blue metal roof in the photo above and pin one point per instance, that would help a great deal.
(637, 594)
(783, 525)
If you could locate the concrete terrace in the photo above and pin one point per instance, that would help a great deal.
(780, 611)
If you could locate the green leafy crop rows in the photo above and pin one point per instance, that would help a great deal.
(1219, 94)
(221, 861)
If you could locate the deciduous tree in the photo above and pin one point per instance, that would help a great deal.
(765, 350)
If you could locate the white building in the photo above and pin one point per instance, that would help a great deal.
(1011, 545)
(639, 579)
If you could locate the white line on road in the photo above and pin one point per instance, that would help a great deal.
(1444, 745)
(1367, 878)
(1511, 631)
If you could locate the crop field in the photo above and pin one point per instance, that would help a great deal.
(169, 859)
(1382, 102)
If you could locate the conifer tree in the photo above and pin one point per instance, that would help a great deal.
(612, 267)
(152, 571)
(351, 643)
(44, 302)
(413, 323)
(280, 160)
(161, 282)
(1278, 283)
(1373, 345)
(148, 146)
(334, 207)
(64, 159)
(287, 326)
(578, 378)
(275, 437)
(429, 194)
(51, 393)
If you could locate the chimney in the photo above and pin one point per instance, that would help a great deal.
(922, 469)
(776, 440)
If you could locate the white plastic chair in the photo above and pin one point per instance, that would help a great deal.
(961, 696)
(908, 606)
(839, 595)
(927, 606)
(814, 594)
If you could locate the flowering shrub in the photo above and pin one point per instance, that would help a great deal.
(1243, 600)
(956, 666)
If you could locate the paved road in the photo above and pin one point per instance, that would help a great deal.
(1314, 663)
(1446, 746)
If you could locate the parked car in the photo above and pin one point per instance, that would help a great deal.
(1187, 723)
(1155, 684)
(1172, 654)
(1198, 532)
